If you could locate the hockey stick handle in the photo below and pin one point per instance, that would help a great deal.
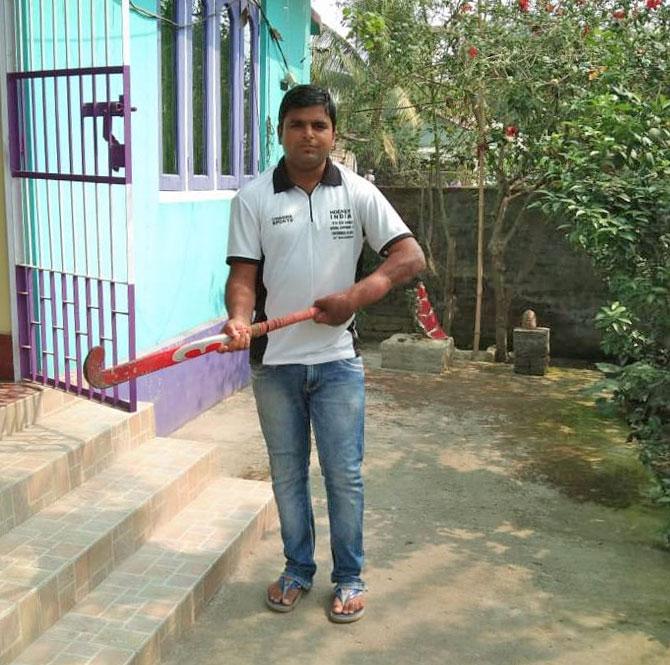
(102, 378)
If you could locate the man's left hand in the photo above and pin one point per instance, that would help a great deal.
(334, 310)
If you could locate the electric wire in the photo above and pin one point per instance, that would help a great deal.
(272, 31)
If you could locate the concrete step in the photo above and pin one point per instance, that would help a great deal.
(44, 461)
(54, 559)
(136, 613)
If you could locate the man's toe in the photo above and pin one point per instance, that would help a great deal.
(337, 606)
(274, 593)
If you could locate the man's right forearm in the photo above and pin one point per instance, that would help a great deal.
(240, 301)
(241, 293)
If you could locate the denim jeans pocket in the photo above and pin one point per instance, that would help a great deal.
(258, 370)
(353, 363)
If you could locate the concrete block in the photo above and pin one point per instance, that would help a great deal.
(416, 353)
(531, 351)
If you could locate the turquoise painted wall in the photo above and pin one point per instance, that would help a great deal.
(180, 246)
(292, 19)
(5, 319)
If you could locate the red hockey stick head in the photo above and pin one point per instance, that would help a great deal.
(93, 365)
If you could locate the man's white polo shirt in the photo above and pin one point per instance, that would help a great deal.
(307, 247)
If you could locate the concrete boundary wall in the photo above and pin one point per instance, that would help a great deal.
(551, 277)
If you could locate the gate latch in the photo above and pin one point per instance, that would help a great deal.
(107, 110)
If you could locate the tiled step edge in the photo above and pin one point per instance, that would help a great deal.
(134, 616)
(56, 558)
(25, 411)
(43, 462)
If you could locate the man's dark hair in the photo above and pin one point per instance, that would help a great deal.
(302, 96)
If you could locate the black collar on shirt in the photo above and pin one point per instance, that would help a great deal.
(331, 176)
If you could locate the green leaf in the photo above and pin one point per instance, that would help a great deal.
(608, 368)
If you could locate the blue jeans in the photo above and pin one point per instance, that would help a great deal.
(330, 398)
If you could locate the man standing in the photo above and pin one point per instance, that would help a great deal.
(295, 239)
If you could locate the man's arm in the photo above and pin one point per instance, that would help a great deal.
(240, 303)
(404, 260)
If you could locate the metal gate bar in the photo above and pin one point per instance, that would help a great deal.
(74, 268)
(23, 89)
(59, 326)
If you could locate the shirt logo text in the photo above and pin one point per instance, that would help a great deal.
(341, 224)
(282, 219)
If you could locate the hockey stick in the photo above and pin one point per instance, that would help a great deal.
(102, 378)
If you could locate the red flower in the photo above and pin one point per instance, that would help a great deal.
(586, 30)
(511, 132)
(473, 51)
(465, 8)
(619, 14)
(524, 5)
(654, 4)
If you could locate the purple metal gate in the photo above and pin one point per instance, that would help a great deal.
(69, 133)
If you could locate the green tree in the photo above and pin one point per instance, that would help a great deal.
(608, 178)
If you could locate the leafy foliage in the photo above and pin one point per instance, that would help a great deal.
(608, 174)
(567, 101)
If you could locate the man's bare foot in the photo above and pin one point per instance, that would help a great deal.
(284, 594)
(348, 605)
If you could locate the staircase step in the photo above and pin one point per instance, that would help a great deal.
(43, 462)
(57, 557)
(22, 404)
(136, 613)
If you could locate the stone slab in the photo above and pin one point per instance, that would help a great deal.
(417, 353)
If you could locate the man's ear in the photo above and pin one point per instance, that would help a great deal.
(279, 128)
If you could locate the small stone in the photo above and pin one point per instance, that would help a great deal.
(529, 320)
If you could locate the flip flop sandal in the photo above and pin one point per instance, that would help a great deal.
(286, 584)
(346, 593)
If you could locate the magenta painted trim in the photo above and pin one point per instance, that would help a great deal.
(70, 177)
(127, 114)
(132, 345)
(66, 329)
(26, 348)
(181, 392)
(15, 134)
(77, 333)
(19, 101)
(72, 71)
(50, 295)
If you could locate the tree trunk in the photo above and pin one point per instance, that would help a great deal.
(500, 291)
(450, 287)
(481, 147)
(430, 225)
(449, 270)
(501, 302)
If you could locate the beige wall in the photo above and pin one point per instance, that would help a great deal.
(5, 320)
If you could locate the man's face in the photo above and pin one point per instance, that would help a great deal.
(307, 136)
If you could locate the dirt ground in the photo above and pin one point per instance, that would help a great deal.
(507, 522)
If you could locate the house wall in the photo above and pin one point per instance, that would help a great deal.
(6, 368)
(292, 19)
(5, 321)
(180, 238)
